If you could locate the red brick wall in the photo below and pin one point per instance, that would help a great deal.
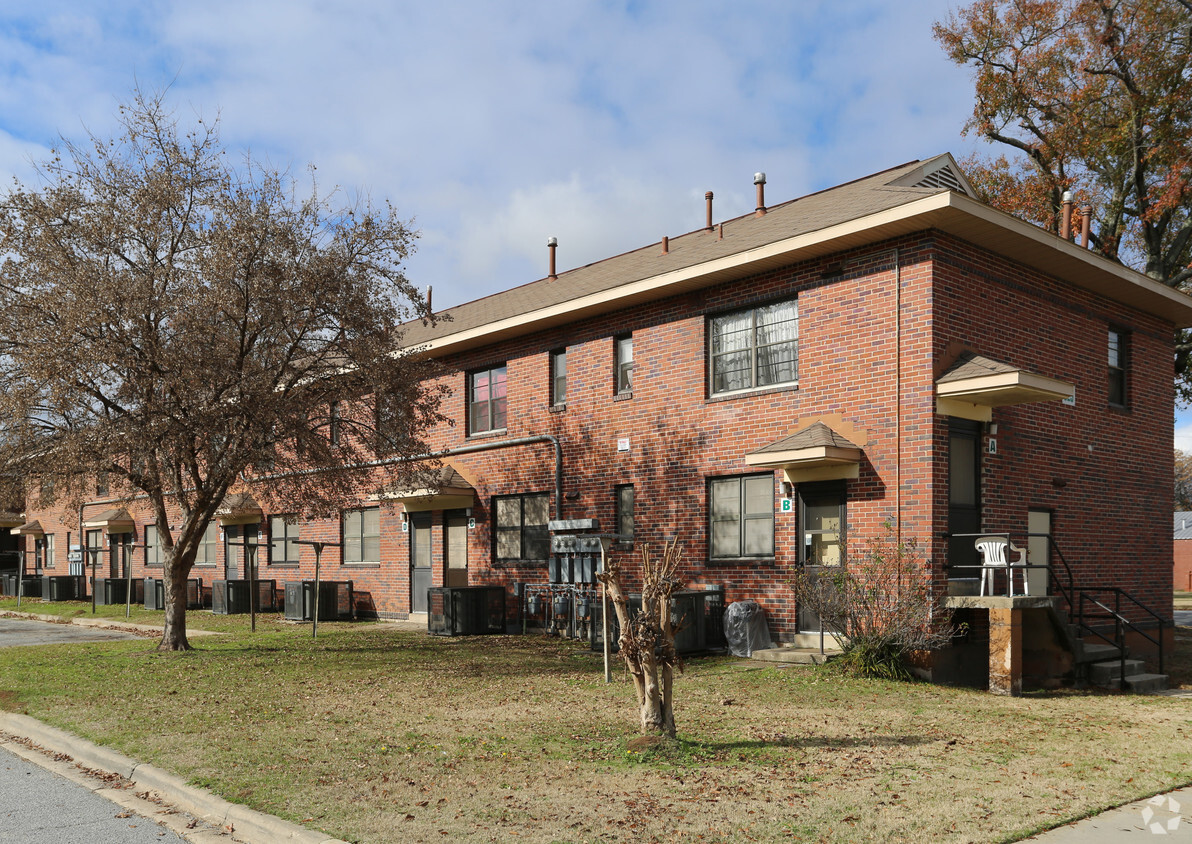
(1107, 518)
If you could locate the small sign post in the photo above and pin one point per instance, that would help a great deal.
(318, 545)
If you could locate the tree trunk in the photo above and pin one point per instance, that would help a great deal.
(174, 575)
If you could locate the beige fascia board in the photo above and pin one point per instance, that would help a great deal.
(228, 519)
(12, 523)
(947, 211)
(963, 409)
(416, 504)
(805, 457)
(830, 472)
(1004, 388)
(20, 531)
(113, 525)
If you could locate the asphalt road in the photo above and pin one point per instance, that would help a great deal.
(40, 807)
(14, 632)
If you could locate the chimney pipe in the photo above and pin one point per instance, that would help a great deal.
(759, 179)
(708, 197)
(720, 232)
(1066, 216)
(1086, 216)
(665, 245)
(429, 290)
(552, 244)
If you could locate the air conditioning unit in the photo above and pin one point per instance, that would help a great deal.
(465, 610)
(335, 600)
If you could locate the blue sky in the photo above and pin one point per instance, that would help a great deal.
(495, 125)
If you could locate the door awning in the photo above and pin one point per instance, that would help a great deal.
(450, 490)
(814, 453)
(117, 520)
(239, 508)
(11, 519)
(975, 384)
(33, 528)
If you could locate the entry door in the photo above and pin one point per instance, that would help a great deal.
(821, 538)
(455, 547)
(420, 558)
(1038, 549)
(964, 497)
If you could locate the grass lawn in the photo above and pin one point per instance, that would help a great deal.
(377, 734)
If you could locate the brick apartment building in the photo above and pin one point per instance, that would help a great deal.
(772, 390)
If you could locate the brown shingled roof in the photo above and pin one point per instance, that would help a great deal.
(973, 365)
(815, 435)
(799, 216)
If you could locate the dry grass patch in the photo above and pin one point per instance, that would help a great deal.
(375, 734)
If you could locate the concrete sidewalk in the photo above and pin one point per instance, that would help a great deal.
(1167, 815)
(221, 821)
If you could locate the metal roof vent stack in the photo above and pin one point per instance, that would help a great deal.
(708, 198)
(665, 245)
(552, 244)
(759, 179)
(1086, 218)
(1066, 216)
(720, 230)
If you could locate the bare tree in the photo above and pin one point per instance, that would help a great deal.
(647, 642)
(181, 323)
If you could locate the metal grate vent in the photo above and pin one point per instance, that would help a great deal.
(944, 177)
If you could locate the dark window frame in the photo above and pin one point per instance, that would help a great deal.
(289, 529)
(529, 537)
(753, 348)
(624, 509)
(623, 365)
(359, 536)
(1118, 366)
(208, 553)
(558, 380)
(743, 517)
(488, 415)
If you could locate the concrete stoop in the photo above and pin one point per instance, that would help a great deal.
(795, 655)
(1103, 667)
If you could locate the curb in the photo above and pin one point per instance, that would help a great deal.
(249, 825)
(104, 623)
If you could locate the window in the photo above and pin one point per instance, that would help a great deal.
(102, 486)
(385, 421)
(152, 546)
(754, 348)
(1117, 367)
(333, 423)
(624, 364)
(521, 532)
(624, 503)
(741, 511)
(486, 400)
(208, 546)
(558, 378)
(43, 552)
(49, 557)
(362, 535)
(283, 536)
(94, 547)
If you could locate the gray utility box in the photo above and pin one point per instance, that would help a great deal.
(155, 593)
(114, 590)
(335, 600)
(232, 597)
(66, 587)
(30, 585)
(465, 610)
(688, 608)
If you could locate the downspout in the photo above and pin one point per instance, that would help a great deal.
(897, 396)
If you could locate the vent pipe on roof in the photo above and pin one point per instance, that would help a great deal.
(1086, 216)
(759, 179)
(665, 245)
(429, 290)
(552, 244)
(1066, 217)
(708, 198)
(720, 235)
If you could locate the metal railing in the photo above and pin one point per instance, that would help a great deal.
(1120, 623)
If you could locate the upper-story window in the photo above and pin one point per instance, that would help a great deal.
(208, 546)
(333, 423)
(1118, 343)
(558, 377)
(754, 348)
(624, 507)
(152, 546)
(486, 400)
(624, 364)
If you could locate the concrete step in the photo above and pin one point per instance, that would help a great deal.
(797, 656)
(1142, 684)
(1110, 671)
(812, 640)
(1094, 652)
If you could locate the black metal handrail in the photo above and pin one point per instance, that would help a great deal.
(1120, 623)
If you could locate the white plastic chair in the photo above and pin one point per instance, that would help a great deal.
(993, 550)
